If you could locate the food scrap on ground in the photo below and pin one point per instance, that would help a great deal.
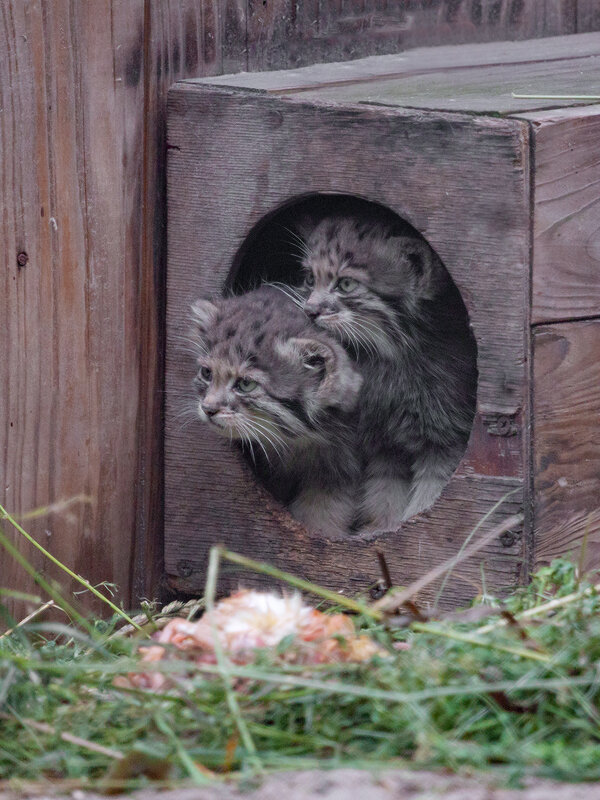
(249, 621)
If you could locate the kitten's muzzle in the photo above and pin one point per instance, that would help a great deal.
(219, 418)
(320, 311)
(318, 303)
(209, 410)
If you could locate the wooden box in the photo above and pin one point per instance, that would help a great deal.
(507, 190)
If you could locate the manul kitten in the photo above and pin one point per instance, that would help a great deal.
(287, 392)
(387, 297)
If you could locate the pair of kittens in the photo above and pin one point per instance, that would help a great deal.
(354, 392)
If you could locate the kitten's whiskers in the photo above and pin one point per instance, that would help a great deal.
(363, 336)
(286, 290)
(300, 243)
(242, 430)
(268, 433)
(252, 436)
(347, 332)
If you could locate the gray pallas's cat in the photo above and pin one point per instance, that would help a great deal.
(286, 390)
(389, 299)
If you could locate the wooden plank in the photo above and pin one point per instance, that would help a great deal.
(82, 144)
(479, 89)
(407, 160)
(458, 21)
(351, 565)
(21, 409)
(472, 77)
(69, 380)
(566, 422)
(566, 254)
(560, 17)
(234, 47)
(287, 33)
(588, 15)
(184, 38)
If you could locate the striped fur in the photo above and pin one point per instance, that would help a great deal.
(287, 392)
(387, 297)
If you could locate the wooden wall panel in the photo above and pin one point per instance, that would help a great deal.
(70, 377)
(83, 145)
(566, 251)
(182, 38)
(566, 425)
(284, 33)
(588, 15)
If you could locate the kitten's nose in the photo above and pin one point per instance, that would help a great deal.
(210, 411)
(311, 312)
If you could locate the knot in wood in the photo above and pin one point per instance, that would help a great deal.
(22, 258)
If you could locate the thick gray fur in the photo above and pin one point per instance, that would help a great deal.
(299, 421)
(403, 321)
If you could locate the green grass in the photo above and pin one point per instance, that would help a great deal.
(521, 698)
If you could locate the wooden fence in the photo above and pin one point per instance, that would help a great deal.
(82, 237)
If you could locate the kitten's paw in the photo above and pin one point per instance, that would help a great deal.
(384, 503)
(329, 513)
(423, 496)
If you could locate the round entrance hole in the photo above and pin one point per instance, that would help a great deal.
(372, 283)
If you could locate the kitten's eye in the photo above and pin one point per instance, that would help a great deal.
(310, 279)
(206, 373)
(346, 285)
(245, 385)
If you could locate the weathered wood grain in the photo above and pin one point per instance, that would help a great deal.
(479, 89)
(265, 531)
(82, 146)
(588, 15)
(182, 38)
(566, 421)
(475, 77)
(566, 252)
(289, 33)
(69, 373)
(407, 160)
(234, 20)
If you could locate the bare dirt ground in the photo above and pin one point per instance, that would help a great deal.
(348, 784)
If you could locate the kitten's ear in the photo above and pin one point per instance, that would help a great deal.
(417, 252)
(204, 315)
(338, 380)
(424, 263)
(304, 226)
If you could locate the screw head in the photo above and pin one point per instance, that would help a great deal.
(508, 538)
(22, 259)
(377, 591)
(503, 425)
(184, 568)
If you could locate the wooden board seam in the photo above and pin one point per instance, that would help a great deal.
(590, 318)
(528, 542)
(418, 72)
(359, 106)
